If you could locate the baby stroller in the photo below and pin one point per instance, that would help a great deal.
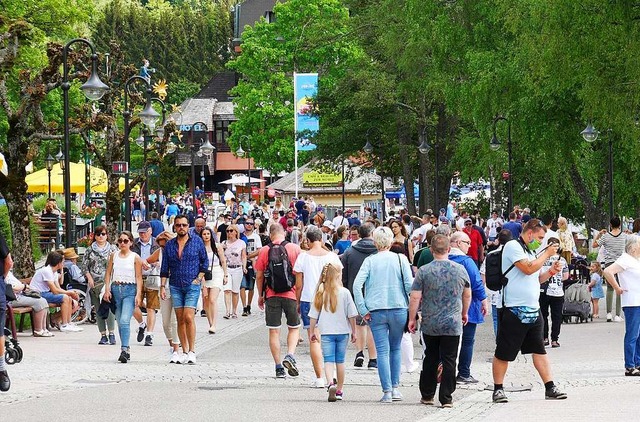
(577, 303)
(12, 350)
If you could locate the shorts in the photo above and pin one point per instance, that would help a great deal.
(249, 280)
(334, 347)
(185, 296)
(274, 308)
(514, 336)
(217, 278)
(361, 321)
(235, 280)
(52, 298)
(152, 298)
(305, 307)
(36, 304)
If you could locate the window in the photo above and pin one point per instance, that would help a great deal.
(221, 135)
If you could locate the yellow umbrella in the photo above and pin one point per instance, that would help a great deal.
(39, 181)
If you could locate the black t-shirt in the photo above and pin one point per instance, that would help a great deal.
(222, 230)
(4, 253)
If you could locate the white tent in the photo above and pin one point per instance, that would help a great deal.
(240, 180)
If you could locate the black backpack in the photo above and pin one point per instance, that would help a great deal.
(279, 273)
(495, 278)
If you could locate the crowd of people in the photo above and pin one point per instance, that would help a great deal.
(347, 279)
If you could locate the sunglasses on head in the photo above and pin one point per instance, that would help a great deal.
(125, 241)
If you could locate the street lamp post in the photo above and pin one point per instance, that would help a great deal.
(241, 153)
(590, 134)
(148, 116)
(49, 161)
(205, 149)
(495, 144)
(93, 89)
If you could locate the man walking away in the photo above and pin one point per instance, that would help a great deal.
(277, 293)
(444, 290)
(520, 322)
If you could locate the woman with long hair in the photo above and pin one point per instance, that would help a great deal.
(566, 239)
(235, 252)
(123, 284)
(334, 303)
(400, 235)
(218, 277)
(94, 265)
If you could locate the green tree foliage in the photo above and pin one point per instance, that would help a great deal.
(186, 42)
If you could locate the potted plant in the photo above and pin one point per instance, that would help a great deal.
(84, 242)
(86, 215)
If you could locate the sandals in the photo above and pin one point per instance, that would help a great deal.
(632, 372)
(227, 316)
(234, 316)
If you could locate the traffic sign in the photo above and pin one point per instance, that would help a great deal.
(120, 167)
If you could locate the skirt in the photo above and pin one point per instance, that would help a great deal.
(217, 277)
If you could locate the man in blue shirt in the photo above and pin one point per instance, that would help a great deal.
(184, 263)
(513, 226)
(460, 245)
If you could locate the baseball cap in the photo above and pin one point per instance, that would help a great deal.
(467, 220)
(328, 224)
(143, 226)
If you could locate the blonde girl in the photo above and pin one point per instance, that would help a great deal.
(566, 239)
(597, 291)
(336, 312)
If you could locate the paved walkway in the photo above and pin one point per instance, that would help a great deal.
(235, 378)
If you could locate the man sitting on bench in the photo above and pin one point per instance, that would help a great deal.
(39, 305)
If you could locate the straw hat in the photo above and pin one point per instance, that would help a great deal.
(70, 253)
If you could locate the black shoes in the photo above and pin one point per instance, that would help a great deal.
(466, 380)
(148, 341)
(359, 360)
(141, 332)
(499, 396)
(245, 312)
(103, 340)
(124, 357)
(5, 382)
(373, 364)
(289, 362)
(554, 393)
(279, 372)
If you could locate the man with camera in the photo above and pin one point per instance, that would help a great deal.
(521, 325)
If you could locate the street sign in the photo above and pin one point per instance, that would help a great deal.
(255, 190)
(120, 167)
(271, 192)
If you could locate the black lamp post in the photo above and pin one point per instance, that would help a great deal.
(590, 134)
(49, 161)
(424, 148)
(495, 144)
(241, 153)
(205, 149)
(148, 116)
(93, 89)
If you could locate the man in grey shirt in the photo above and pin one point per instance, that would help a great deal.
(443, 287)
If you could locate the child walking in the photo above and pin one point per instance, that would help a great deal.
(597, 291)
(335, 313)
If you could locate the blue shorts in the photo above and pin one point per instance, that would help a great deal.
(249, 280)
(305, 307)
(185, 297)
(52, 298)
(334, 347)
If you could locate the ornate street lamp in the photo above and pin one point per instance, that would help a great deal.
(241, 153)
(93, 89)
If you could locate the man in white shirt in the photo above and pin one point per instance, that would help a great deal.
(340, 220)
(252, 239)
(494, 225)
(420, 234)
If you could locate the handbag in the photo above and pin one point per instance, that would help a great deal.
(28, 292)
(8, 291)
(406, 324)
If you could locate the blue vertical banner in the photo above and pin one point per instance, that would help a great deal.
(305, 89)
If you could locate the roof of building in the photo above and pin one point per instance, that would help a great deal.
(362, 179)
(196, 110)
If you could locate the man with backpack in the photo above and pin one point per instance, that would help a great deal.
(277, 289)
(521, 326)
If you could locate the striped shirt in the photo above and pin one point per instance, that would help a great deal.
(613, 246)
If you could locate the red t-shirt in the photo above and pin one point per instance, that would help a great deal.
(476, 243)
(293, 251)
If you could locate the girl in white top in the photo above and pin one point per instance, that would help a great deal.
(123, 284)
(235, 251)
(334, 310)
(219, 277)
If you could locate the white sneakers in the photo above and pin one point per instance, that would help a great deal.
(609, 317)
(182, 358)
(191, 358)
(175, 358)
(70, 328)
(617, 319)
(318, 383)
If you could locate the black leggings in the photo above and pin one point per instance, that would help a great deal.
(555, 304)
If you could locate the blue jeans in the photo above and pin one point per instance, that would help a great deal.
(334, 347)
(494, 315)
(466, 350)
(124, 296)
(387, 327)
(631, 336)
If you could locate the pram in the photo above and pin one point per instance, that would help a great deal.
(577, 303)
(12, 350)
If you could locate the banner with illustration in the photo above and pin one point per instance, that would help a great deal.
(306, 120)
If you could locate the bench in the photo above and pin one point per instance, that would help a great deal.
(22, 311)
(48, 233)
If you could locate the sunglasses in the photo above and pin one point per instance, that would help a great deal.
(125, 241)
(101, 234)
(181, 224)
(231, 231)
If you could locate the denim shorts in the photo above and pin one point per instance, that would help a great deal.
(249, 280)
(185, 296)
(52, 297)
(305, 307)
(334, 347)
